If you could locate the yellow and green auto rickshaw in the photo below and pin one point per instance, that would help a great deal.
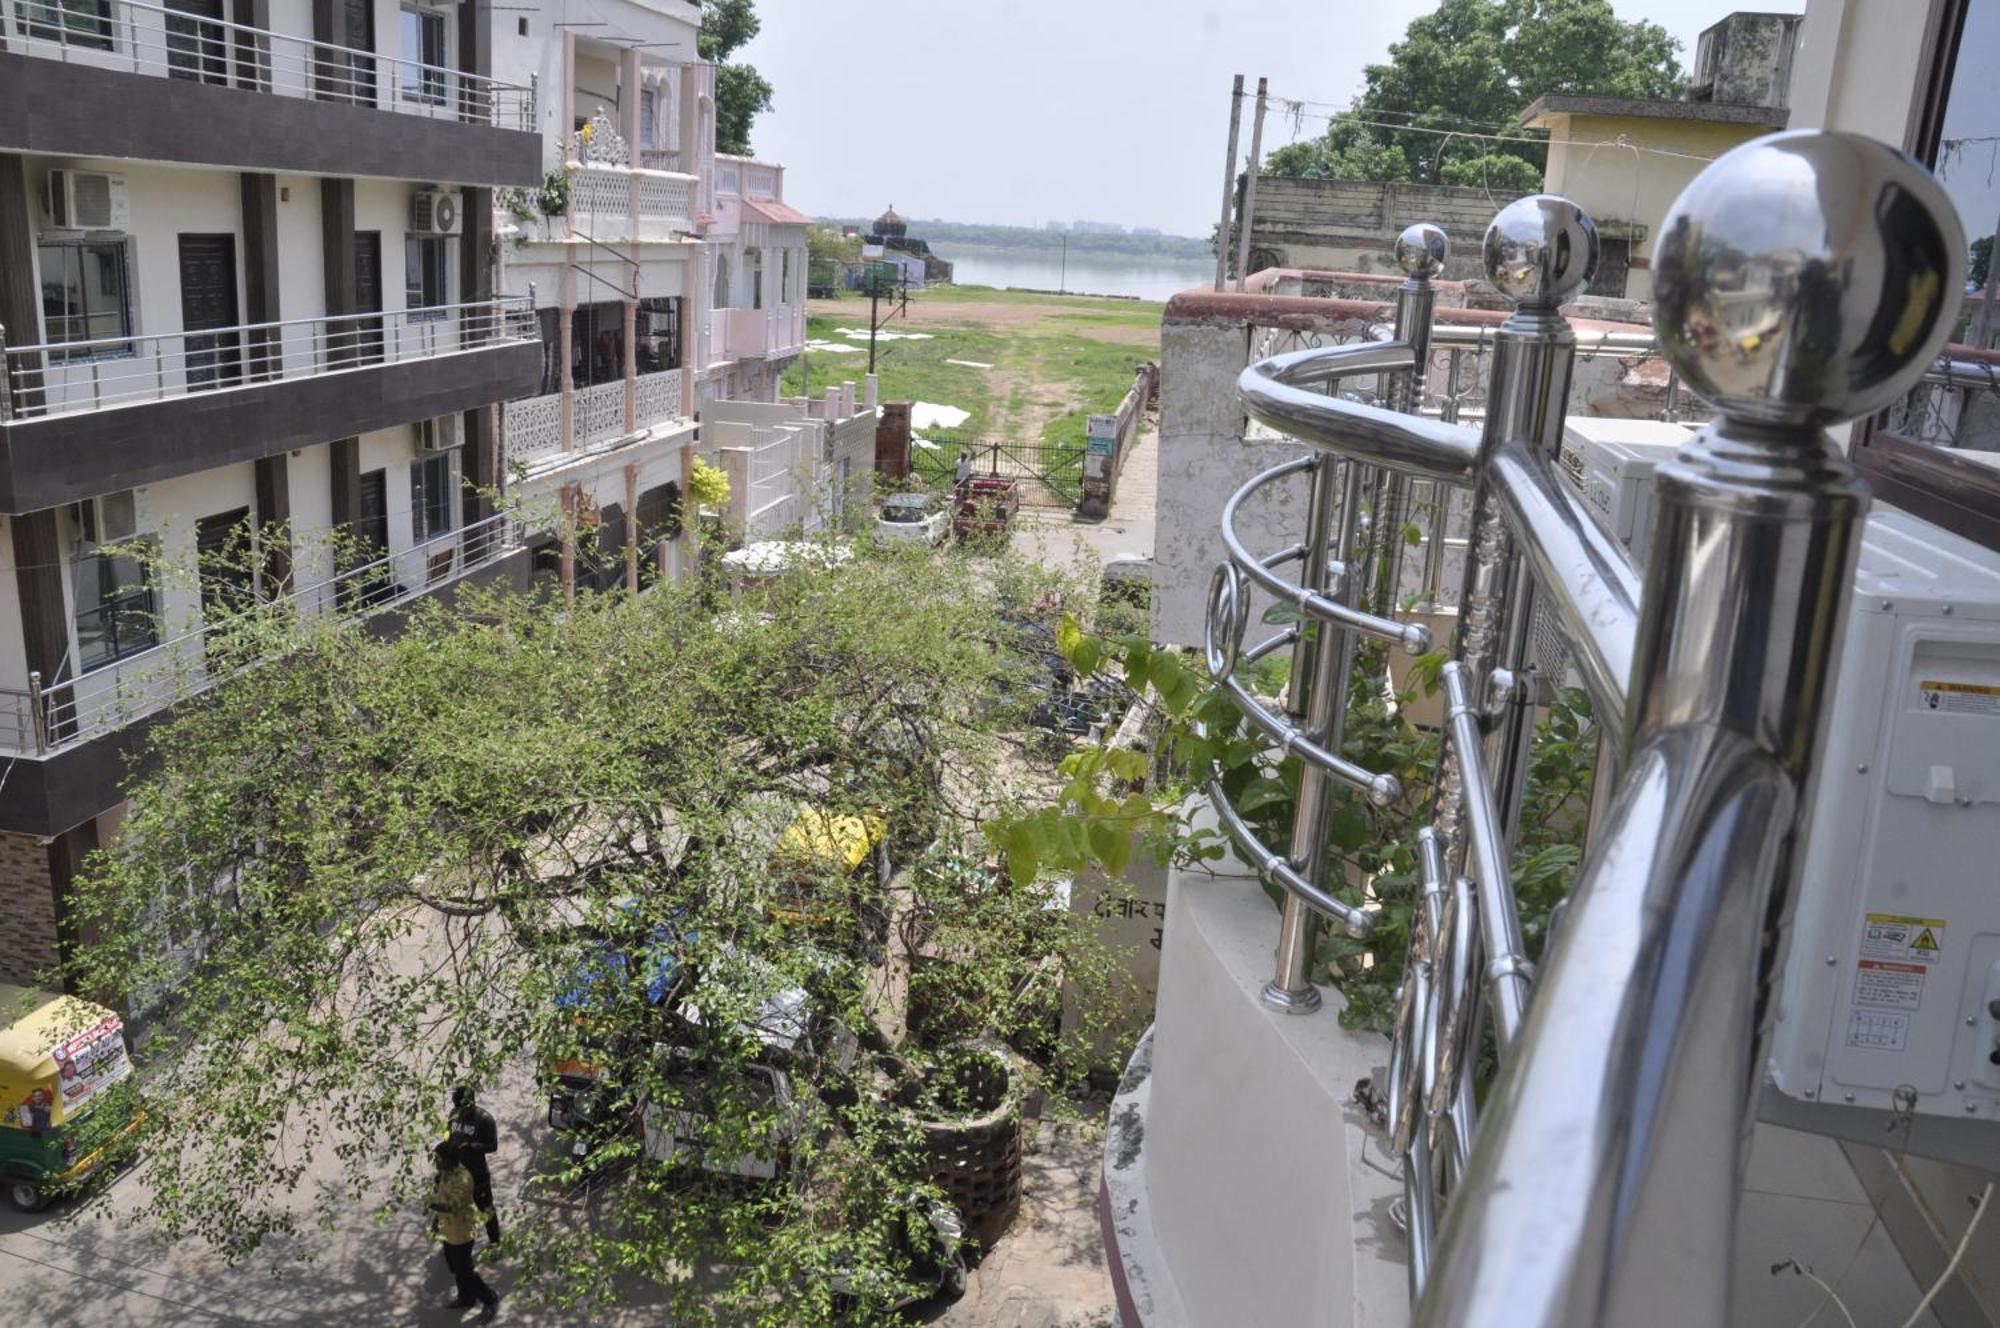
(59, 1059)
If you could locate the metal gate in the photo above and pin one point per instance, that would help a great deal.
(1051, 474)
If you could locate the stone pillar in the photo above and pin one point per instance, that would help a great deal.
(274, 522)
(873, 392)
(631, 365)
(29, 925)
(20, 301)
(565, 351)
(39, 563)
(570, 511)
(632, 528)
(690, 518)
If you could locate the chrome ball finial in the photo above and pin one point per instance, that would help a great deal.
(1807, 278)
(1421, 250)
(1540, 250)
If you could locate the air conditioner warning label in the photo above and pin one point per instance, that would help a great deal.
(1896, 957)
(1893, 936)
(1879, 985)
(1961, 698)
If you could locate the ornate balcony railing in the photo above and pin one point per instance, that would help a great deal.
(64, 377)
(618, 204)
(1601, 1182)
(168, 43)
(48, 718)
(533, 430)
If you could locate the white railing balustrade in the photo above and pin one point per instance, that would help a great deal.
(62, 378)
(534, 424)
(603, 199)
(45, 719)
(151, 39)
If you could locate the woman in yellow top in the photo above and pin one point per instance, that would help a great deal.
(457, 1218)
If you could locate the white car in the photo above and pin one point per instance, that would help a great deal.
(913, 518)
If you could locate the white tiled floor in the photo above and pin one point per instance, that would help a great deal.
(1802, 1203)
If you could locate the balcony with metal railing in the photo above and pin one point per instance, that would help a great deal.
(1590, 1171)
(149, 405)
(253, 93)
(50, 718)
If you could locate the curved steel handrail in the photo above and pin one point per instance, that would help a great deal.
(1359, 922)
(1412, 637)
(1271, 393)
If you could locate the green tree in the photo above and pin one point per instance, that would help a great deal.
(741, 93)
(1981, 259)
(527, 832)
(1472, 67)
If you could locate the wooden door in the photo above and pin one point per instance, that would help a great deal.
(208, 300)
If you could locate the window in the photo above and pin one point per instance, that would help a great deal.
(115, 614)
(427, 272)
(423, 44)
(87, 294)
(85, 23)
(785, 277)
(753, 264)
(433, 496)
(649, 126)
(659, 335)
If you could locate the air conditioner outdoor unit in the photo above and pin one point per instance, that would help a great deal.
(88, 201)
(108, 519)
(446, 433)
(436, 212)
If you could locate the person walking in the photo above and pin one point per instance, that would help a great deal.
(452, 1202)
(476, 1137)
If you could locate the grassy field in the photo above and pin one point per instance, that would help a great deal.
(1054, 359)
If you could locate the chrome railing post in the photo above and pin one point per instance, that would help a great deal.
(1603, 1185)
(1538, 251)
(1420, 251)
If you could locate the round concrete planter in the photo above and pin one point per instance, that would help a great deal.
(969, 1115)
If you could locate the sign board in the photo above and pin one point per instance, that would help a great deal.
(1095, 463)
(1101, 426)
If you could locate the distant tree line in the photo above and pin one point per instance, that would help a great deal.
(1029, 237)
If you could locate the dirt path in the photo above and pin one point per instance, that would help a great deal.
(999, 316)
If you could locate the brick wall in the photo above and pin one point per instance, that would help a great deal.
(27, 909)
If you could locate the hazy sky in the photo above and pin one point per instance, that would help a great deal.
(1022, 111)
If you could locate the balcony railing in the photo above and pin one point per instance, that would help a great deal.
(43, 720)
(62, 378)
(150, 39)
(534, 425)
(608, 201)
(748, 334)
(1598, 1178)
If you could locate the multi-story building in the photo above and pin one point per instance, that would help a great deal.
(662, 276)
(246, 291)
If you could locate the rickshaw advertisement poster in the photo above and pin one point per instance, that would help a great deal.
(89, 1062)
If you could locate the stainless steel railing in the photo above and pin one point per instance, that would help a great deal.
(63, 377)
(168, 43)
(1600, 1185)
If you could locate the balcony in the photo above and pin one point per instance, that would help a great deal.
(619, 205)
(140, 81)
(79, 417)
(533, 430)
(755, 334)
(49, 721)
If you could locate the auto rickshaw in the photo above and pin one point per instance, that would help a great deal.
(59, 1057)
(819, 845)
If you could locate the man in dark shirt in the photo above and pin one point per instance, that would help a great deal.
(475, 1137)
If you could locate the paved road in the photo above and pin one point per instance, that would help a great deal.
(1058, 538)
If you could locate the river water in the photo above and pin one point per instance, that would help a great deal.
(1092, 274)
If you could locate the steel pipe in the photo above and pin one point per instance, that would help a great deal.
(1359, 922)
(1507, 968)
(1415, 638)
(1272, 394)
(1587, 575)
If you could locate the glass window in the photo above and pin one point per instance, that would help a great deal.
(423, 44)
(648, 118)
(433, 495)
(115, 613)
(86, 294)
(753, 264)
(84, 23)
(426, 271)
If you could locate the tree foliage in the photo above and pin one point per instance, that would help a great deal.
(741, 93)
(1472, 67)
(526, 832)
